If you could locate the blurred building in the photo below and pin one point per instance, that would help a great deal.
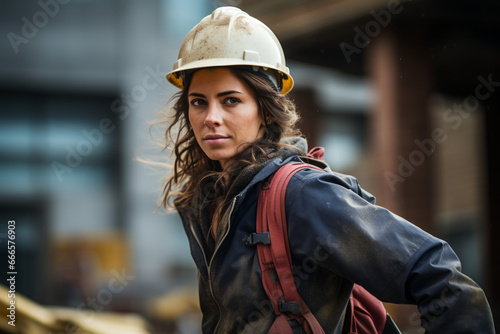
(404, 95)
(80, 84)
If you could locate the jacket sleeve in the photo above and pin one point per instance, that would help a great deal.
(393, 259)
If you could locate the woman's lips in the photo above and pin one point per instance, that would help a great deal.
(215, 139)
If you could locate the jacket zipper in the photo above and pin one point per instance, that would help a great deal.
(231, 208)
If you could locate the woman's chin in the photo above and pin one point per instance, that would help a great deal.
(221, 158)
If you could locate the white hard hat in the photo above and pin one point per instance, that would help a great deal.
(231, 37)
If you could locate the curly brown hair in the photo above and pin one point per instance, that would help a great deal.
(192, 167)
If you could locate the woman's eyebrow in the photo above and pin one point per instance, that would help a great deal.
(196, 94)
(229, 92)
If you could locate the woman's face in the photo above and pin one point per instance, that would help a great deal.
(223, 113)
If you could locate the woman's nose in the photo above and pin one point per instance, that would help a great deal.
(214, 116)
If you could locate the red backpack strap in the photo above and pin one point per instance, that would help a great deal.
(366, 314)
(275, 259)
(316, 153)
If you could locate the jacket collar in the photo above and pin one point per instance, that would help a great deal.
(254, 174)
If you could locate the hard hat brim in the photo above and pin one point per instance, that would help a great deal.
(175, 77)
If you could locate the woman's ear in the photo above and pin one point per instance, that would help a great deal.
(266, 119)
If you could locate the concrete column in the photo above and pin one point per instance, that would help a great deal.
(400, 127)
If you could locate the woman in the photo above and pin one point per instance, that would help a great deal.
(235, 128)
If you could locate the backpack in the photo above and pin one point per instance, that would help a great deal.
(365, 313)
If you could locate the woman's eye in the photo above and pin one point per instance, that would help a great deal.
(197, 102)
(232, 100)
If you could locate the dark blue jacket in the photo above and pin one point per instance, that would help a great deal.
(337, 237)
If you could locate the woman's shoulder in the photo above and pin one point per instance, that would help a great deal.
(312, 180)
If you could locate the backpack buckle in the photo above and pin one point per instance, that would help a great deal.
(253, 239)
(289, 307)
